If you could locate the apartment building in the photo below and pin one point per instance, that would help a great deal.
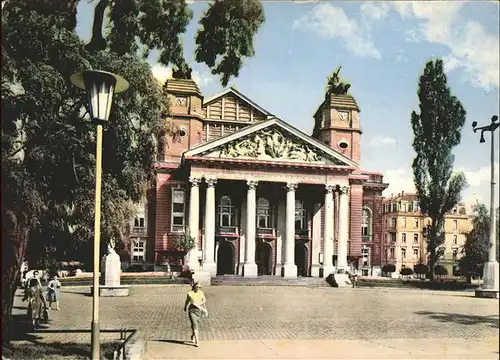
(404, 231)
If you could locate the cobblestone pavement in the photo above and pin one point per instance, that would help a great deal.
(279, 313)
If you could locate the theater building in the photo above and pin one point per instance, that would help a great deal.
(260, 196)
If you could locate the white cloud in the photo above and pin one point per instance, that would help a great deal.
(478, 180)
(380, 140)
(375, 10)
(331, 22)
(472, 50)
(202, 79)
(161, 73)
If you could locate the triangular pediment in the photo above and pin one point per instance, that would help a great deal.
(271, 140)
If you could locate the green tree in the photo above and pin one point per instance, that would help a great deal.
(440, 270)
(48, 142)
(421, 269)
(437, 130)
(475, 251)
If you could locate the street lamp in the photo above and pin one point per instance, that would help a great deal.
(491, 276)
(100, 87)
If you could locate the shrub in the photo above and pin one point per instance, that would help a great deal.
(406, 271)
(440, 270)
(185, 242)
(421, 269)
(389, 268)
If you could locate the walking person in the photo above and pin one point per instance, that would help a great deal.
(195, 306)
(53, 292)
(36, 302)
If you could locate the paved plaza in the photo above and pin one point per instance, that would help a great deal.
(288, 322)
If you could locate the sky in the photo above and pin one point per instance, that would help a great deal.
(383, 48)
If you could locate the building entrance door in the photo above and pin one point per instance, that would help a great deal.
(225, 258)
(301, 255)
(264, 257)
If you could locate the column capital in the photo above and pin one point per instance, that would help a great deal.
(195, 181)
(291, 186)
(343, 190)
(330, 188)
(211, 182)
(252, 184)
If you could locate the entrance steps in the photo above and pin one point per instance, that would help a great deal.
(268, 280)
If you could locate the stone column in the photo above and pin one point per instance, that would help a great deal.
(243, 233)
(343, 228)
(316, 240)
(288, 267)
(194, 222)
(328, 229)
(280, 235)
(209, 245)
(249, 266)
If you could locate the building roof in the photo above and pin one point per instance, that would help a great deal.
(238, 94)
(340, 102)
(182, 86)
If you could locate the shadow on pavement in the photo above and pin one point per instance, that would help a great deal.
(86, 293)
(22, 330)
(179, 342)
(462, 319)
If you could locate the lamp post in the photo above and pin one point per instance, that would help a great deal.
(100, 87)
(491, 276)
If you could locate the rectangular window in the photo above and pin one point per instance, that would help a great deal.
(415, 254)
(415, 223)
(403, 207)
(403, 254)
(393, 222)
(415, 238)
(403, 222)
(139, 222)
(366, 254)
(139, 250)
(455, 225)
(393, 237)
(178, 210)
(455, 254)
(455, 240)
(403, 238)
(391, 253)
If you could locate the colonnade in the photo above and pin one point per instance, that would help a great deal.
(288, 267)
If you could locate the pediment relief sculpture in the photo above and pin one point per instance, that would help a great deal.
(267, 145)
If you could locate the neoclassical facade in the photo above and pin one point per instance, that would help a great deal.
(259, 196)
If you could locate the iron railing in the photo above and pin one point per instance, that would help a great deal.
(119, 354)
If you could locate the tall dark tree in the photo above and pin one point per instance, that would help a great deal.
(48, 142)
(437, 130)
(475, 251)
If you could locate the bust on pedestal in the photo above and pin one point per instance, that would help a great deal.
(110, 274)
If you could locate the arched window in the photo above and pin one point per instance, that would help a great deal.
(300, 215)
(264, 220)
(366, 224)
(226, 212)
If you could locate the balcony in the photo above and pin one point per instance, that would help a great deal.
(366, 238)
(266, 232)
(227, 231)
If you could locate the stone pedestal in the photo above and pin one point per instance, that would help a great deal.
(249, 270)
(327, 270)
(289, 271)
(342, 280)
(110, 277)
(491, 281)
(203, 277)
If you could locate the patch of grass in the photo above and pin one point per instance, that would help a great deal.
(58, 351)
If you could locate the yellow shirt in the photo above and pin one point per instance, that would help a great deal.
(196, 297)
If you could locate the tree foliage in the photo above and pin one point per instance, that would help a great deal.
(421, 269)
(440, 270)
(477, 244)
(406, 271)
(437, 130)
(336, 85)
(226, 36)
(389, 268)
(48, 142)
